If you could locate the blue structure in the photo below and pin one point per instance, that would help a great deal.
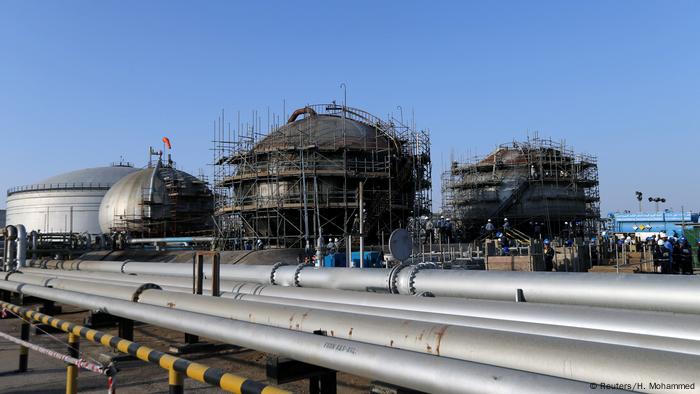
(651, 222)
(372, 259)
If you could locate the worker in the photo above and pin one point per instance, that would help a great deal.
(448, 230)
(505, 245)
(489, 228)
(685, 254)
(506, 224)
(331, 247)
(548, 256)
(662, 257)
(429, 231)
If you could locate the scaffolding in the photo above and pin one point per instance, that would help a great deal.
(534, 181)
(298, 181)
(170, 203)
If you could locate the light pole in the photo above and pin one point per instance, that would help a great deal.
(657, 200)
(639, 198)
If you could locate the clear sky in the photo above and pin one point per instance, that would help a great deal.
(83, 83)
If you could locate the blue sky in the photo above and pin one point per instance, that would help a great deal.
(83, 83)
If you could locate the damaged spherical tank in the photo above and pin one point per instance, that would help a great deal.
(303, 180)
(156, 202)
(67, 202)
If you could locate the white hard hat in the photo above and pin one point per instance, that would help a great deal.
(335, 240)
(442, 217)
(330, 240)
(663, 235)
(489, 220)
(448, 219)
(505, 220)
(660, 243)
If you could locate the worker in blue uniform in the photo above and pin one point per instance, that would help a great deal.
(548, 253)
(685, 254)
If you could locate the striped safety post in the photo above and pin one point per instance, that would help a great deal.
(72, 369)
(176, 382)
(199, 372)
(23, 350)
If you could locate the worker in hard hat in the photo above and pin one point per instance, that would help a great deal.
(685, 256)
(331, 247)
(548, 253)
(506, 224)
(662, 256)
(490, 228)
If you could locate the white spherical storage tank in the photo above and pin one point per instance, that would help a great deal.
(68, 202)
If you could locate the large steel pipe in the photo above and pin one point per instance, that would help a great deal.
(684, 326)
(408, 369)
(584, 360)
(173, 283)
(663, 324)
(672, 293)
(603, 336)
(122, 291)
(584, 334)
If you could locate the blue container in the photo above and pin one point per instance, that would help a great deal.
(335, 260)
(372, 259)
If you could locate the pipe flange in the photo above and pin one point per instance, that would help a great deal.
(125, 262)
(393, 277)
(273, 270)
(297, 271)
(412, 276)
(142, 288)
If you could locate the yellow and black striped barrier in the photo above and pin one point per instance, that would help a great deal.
(175, 365)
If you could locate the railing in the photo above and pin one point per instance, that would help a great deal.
(59, 186)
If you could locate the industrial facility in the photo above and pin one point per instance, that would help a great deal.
(313, 263)
(534, 181)
(326, 171)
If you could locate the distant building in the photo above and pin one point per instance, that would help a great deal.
(645, 224)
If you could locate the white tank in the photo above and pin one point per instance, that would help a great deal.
(68, 202)
(156, 202)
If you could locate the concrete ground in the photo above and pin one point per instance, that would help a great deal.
(47, 375)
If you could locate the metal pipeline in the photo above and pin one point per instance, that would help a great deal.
(122, 291)
(622, 320)
(471, 339)
(34, 237)
(10, 235)
(585, 334)
(662, 324)
(672, 293)
(585, 361)
(171, 283)
(21, 246)
(202, 373)
(408, 369)
(133, 241)
(131, 291)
